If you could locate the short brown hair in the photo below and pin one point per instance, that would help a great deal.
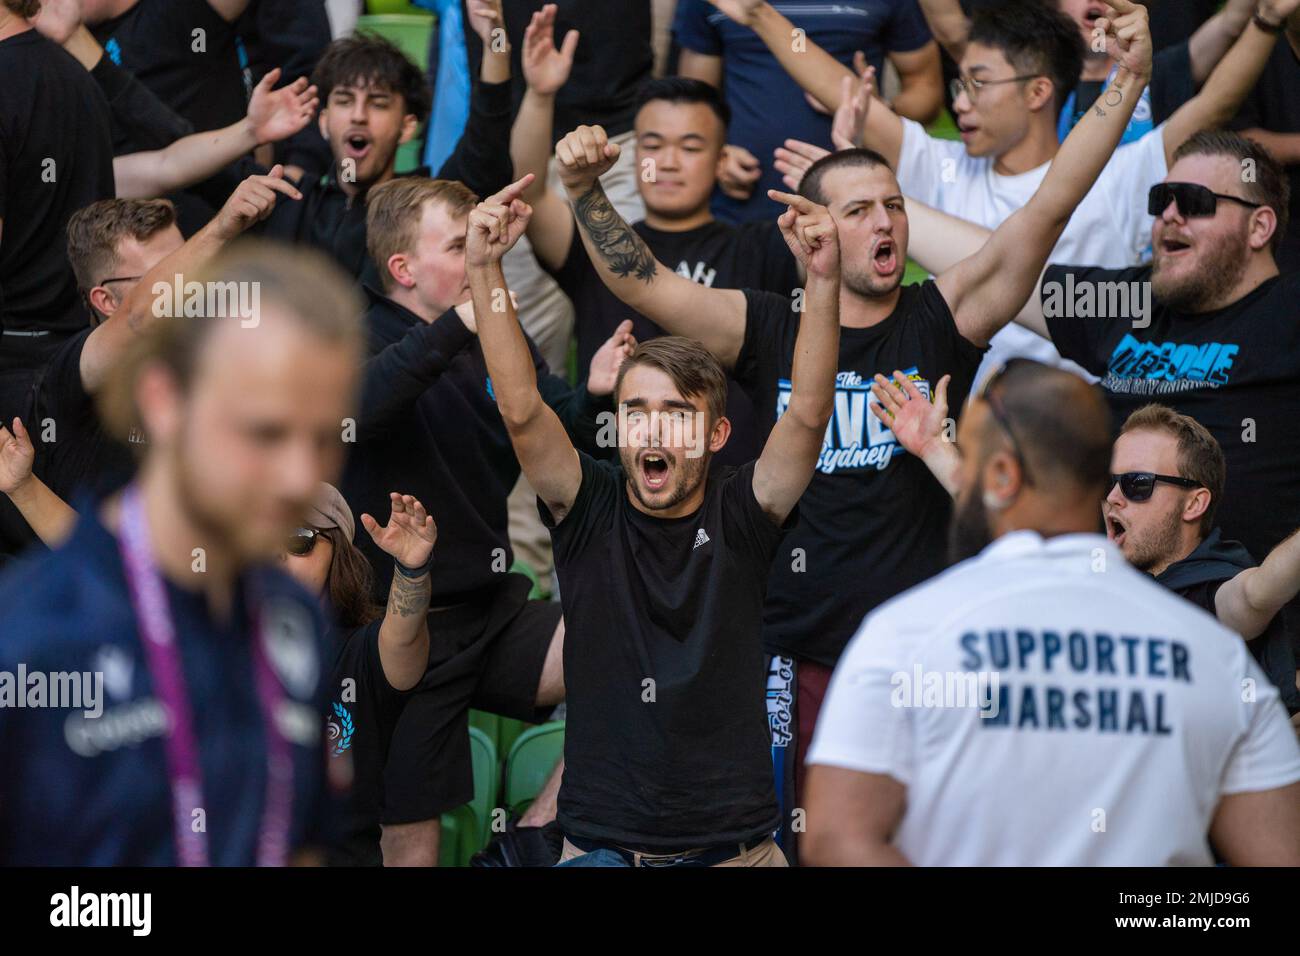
(394, 210)
(303, 283)
(95, 231)
(1200, 457)
(1269, 186)
(24, 8)
(691, 367)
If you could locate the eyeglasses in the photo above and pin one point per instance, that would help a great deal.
(120, 279)
(1141, 485)
(999, 412)
(1194, 201)
(303, 541)
(971, 86)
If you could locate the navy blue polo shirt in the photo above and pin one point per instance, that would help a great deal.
(79, 790)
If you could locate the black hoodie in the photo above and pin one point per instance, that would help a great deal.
(1198, 578)
(429, 427)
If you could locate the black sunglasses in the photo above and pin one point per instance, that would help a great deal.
(999, 412)
(1141, 485)
(302, 541)
(1194, 201)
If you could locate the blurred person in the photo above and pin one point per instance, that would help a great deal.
(721, 45)
(662, 567)
(429, 423)
(127, 255)
(205, 747)
(681, 131)
(1167, 479)
(1092, 717)
(873, 521)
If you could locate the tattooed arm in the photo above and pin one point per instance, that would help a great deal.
(408, 539)
(714, 317)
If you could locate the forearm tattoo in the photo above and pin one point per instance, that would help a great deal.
(623, 250)
(408, 597)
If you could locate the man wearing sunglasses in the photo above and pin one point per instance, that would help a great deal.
(1103, 721)
(1168, 478)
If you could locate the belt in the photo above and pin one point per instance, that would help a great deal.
(707, 856)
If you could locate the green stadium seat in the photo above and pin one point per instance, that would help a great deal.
(532, 758)
(487, 785)
(403, 7)
(411, 32)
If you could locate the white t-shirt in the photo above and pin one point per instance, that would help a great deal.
(1122, 712)
(1110, 228)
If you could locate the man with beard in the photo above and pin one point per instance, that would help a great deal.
(873, 521)
(1167, 477)
(1092, 717)
(205, 747)
(663, 567)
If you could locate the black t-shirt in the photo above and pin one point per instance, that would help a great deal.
(614, 57)
(874, 520)
(56, 156)
(363, 713)
(721, 256)
(667, 743)
(187, 54)
(1274, 105)
(1235, 370)
(80, 455)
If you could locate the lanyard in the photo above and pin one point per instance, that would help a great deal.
(184, 772)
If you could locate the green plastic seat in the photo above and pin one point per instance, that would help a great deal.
(465, 830)
(390, 7)
(490, 724)
(532, 758)
(411, 33)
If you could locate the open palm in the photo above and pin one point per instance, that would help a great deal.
(409, 536)
(16, 457)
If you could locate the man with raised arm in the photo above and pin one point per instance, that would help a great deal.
(873, 521)
(663, 567)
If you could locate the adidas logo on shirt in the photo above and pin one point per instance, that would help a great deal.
(700, 538)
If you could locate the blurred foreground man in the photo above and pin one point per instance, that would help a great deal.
(164, 683)
(1043, 703)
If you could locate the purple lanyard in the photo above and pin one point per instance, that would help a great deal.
(185, 775)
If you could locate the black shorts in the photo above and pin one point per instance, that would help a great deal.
(487, 655)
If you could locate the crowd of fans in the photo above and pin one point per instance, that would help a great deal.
(896, 404)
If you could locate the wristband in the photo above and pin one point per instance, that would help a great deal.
(419, 572)
(1270, 28)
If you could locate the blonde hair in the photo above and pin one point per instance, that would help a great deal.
(394, 211)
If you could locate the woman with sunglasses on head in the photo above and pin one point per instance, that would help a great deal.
(381, 653)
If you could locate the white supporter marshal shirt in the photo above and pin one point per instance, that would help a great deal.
(1107, 716)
